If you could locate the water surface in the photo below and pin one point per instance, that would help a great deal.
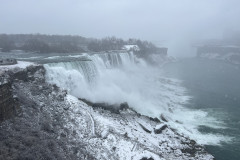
(215, 88)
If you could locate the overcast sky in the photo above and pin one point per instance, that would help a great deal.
(173, 21)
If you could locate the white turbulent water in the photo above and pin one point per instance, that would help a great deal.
(122, 77)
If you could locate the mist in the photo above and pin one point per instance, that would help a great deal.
(173, 24)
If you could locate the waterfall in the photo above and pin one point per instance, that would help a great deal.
(112, 78)
(111, 60)
(115, 78)
(77, 76)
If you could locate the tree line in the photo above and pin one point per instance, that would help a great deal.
(69, 44)
(41, 43)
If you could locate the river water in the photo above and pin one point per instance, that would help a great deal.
(215, 89)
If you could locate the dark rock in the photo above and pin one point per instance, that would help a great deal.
(125, 135)
(163, 118)
(160, 129)
(145, 158)
(155, 119)
(113, 108)
(63, 135)
(86, 101)
(144, 128)
(191, 151)
(178, 122)
(123, 106)
(192, 142)
(66, 107)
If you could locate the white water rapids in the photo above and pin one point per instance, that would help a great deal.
(115, 78)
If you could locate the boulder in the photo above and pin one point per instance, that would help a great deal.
(159, 128)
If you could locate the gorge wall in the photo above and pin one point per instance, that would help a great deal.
(7, 102)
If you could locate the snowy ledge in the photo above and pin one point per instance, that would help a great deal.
(20, 65)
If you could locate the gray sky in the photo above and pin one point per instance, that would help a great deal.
(174, 22)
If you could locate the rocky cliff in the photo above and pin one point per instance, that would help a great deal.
(55, 125)
(7, 103)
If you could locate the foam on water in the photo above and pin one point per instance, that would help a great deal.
(122, 77)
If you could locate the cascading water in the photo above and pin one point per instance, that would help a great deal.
(122, 77)
(82, 78)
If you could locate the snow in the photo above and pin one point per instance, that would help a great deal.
(121, 134)
(20, 64)
(131, 47)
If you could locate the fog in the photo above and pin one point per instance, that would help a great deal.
(168, 23)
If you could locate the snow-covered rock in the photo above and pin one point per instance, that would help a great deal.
(19, 65)
(71, 129)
